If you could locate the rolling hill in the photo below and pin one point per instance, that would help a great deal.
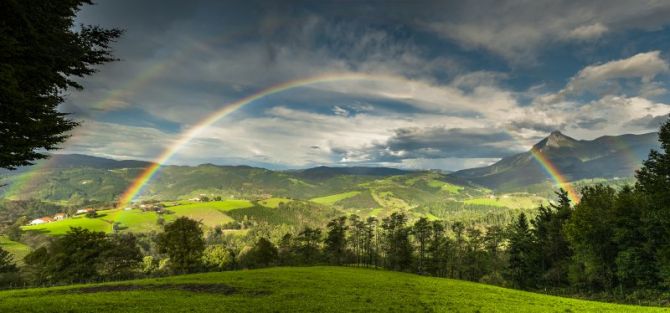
(306, 289)
(325, 172)
(516, 181)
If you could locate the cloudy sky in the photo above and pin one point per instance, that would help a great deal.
(450, 84)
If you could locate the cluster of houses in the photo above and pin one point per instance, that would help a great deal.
(59, 217)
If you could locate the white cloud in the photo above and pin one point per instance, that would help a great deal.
(586, 32)
(517, 30)
(338, 110)
(117, 141)
(603, 78)
(642, 65)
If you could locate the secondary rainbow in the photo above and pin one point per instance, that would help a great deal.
(555, 174)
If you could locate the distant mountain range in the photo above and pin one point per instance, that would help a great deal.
(76, 176)
(604, 157)
(325, 172)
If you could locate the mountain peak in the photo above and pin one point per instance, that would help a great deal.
(556, 140)
(556, 133)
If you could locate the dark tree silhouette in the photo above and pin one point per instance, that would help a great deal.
(521, 268)
(263, 254)
(422, 231)
(552, 245)
(7, 264)
(336, 240)
(183, 242)
(40, 54)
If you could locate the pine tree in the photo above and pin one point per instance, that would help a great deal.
(336, 240)
(521, 271)
(554, 250)
(422, 233)
(41, 52)
(653, 180)
(397, 246)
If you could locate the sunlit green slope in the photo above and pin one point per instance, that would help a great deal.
(310, 289)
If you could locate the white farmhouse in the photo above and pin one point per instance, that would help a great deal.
(41, 220)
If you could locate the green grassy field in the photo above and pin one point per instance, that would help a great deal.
(306, 289)
(517, 202)
(329, 200)
(210, 213)
(273, 202)
(223, 206)
(451, 188)
(137, 221)
(17, 249)
(61, 227)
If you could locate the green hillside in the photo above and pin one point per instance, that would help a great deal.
(273, 202)
(210, 213)
(17, 249)
(307, 289)
(430, 194)
(332, 199)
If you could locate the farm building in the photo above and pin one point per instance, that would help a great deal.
(59, 216)
(41, 220)
(85, 211)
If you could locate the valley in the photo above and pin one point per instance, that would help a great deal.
(221, 195)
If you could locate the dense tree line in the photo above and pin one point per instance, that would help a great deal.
(614, 241)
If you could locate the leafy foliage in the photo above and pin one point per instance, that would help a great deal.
(40, 53)
(82, 255)
(182, 241)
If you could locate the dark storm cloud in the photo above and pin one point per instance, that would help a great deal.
(440, 142)
(540, 126)
(649, 121)
(458, 63)
(592, 123)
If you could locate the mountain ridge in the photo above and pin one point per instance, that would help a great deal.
(602, 157)
(83, 177)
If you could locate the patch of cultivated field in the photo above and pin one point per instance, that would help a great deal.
(17, 249)
(210, 213)
(138, 221)
(444, 186)
(336, 197)
(516, 202)
(61, 227)
(389, 201)
(273, 202)
(301, 289)
(225, 205)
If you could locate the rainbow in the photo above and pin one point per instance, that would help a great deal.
(136, 186)
(148, 173)
(22, 182)
(111, 101)
(555, 174)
